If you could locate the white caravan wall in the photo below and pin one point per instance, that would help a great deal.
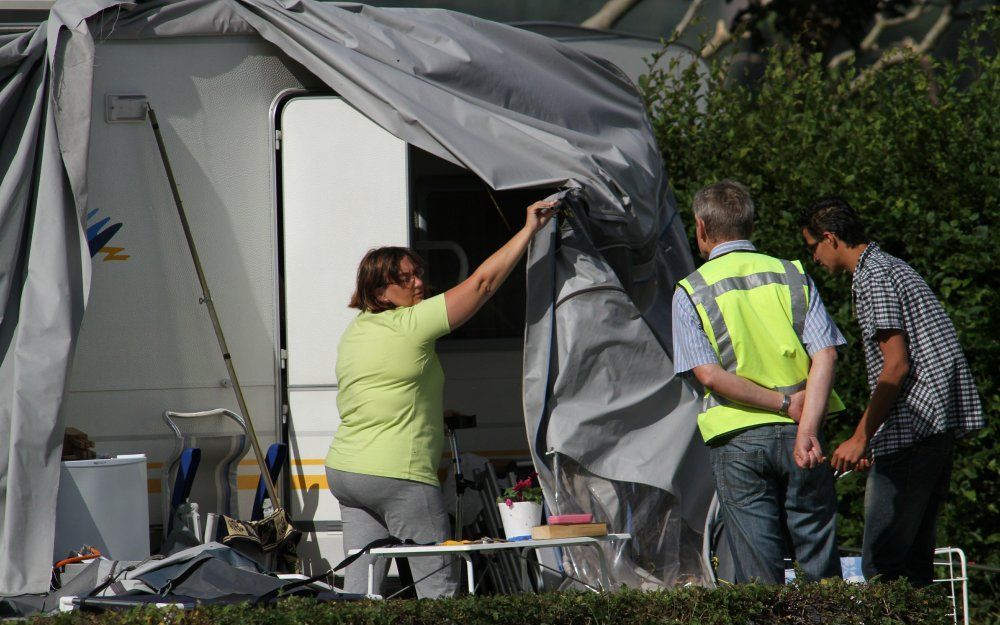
(146, 344)
(344, 190)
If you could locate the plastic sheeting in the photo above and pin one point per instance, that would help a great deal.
(517, 109)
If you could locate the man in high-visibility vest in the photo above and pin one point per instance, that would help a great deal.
(754, 332)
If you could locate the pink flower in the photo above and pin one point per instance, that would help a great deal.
(525, 483)
(510, 504)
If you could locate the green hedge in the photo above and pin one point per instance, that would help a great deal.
(835, 603)
(916, 149)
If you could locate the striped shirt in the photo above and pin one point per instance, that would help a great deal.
(939, 394)
(692, 347)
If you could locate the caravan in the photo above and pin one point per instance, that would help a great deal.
(284, 194)
(291, 170)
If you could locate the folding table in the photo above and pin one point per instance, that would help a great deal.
(465, 551)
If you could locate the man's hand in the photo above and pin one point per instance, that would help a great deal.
(895, 367)
(798, 401)
(808, 452)
(863, 465)
(850, 454)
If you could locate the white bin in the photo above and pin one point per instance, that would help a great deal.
(103, 503)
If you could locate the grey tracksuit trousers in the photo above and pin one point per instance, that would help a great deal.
(375, 507)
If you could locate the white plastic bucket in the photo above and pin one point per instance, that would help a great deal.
(520, 518)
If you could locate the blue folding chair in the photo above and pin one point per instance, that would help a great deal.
(277, 453)
(218, 439)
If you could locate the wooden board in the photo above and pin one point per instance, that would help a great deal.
(569, 531)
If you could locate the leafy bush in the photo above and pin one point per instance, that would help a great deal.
(914, 148)
(836, 603)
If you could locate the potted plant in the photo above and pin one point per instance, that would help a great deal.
(521, 508)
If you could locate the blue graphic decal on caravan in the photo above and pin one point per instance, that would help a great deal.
(98, 238)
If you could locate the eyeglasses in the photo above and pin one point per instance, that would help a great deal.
(406, 279)
(812, 246)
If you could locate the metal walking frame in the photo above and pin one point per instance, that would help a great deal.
(951, 557)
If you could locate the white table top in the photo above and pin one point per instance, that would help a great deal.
(403, 550)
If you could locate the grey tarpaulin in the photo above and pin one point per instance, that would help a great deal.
(516, 108)
(615, 431)
(44, 280)
(205, 574)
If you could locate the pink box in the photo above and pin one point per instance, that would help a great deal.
(570, 519)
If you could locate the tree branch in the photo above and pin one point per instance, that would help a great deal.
(870, 42)
(609, 14)
(689, 15)
(908, 48)
(934, 34)
(933, 89)
(839, 59)
(721, 37)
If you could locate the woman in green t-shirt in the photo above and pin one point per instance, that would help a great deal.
(382, 464)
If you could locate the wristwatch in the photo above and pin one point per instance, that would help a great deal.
(785, 402)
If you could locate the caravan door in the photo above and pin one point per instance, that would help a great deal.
(344, 189)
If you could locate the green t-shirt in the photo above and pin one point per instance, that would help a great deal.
(390, 387)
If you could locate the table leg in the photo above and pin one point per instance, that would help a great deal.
(525, 580)
(469, 571)
(605, 580)
(371, 575)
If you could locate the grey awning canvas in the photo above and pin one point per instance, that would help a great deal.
(516, 108)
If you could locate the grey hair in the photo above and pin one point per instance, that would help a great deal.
(726, 209)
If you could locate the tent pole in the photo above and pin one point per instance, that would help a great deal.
(207, 299)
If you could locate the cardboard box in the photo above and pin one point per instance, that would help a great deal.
(569, 531)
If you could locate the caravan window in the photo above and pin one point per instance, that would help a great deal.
(459, 223)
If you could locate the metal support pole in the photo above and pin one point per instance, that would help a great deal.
(206, 299)
(459, 483)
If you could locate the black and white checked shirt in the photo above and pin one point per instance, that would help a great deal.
(939, 394)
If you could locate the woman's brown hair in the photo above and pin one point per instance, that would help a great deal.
(378, 269)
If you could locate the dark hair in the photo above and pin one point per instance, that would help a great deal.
(378, 269)
(835, 215)
(726, 209)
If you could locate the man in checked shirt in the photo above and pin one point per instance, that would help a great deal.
(922, 394)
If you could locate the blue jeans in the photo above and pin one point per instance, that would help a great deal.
(768, 502)
(902, 497)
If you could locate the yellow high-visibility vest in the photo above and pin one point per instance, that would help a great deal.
(753, 309)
